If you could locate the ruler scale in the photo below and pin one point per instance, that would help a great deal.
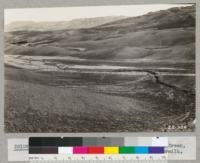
(100, 161)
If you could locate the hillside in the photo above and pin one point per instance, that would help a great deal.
(136, 74)
(168, 34)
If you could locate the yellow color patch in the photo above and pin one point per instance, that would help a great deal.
(111, 150)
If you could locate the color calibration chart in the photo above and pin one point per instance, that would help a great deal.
(95, 149)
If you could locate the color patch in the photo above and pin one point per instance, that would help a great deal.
(95, 150)
(65, 150)
(156, 150)
(126, 150)
(141, 150)
(49, 150)
(111, 150)
(80, 150)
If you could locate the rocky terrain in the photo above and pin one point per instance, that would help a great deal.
(134, 74)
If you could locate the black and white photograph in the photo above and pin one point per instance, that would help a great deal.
(122, 68)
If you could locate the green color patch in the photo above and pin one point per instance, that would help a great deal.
(126, 150)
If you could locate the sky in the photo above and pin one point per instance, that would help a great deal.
(69, 13)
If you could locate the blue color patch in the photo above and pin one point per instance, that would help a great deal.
(141, 150)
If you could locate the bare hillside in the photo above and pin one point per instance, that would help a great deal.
(129, 75)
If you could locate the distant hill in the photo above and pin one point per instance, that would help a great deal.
(172, 18)
(60, 25)
(163, 35)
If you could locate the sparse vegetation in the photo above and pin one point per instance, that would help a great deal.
(127, 75)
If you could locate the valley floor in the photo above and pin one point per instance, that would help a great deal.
(97, 102)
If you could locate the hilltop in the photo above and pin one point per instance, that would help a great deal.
(60, 25)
